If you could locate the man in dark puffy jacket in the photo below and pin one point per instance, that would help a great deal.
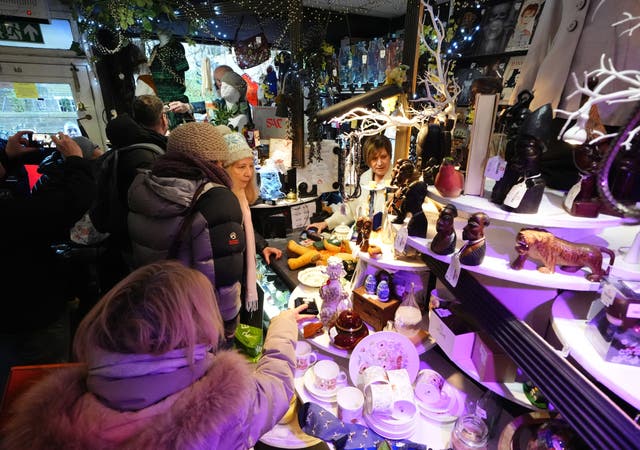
(148, 125)
(34, 324)
(183, 208)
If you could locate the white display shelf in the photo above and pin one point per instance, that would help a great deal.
(551, 213)
(568, 318)
(497, 265)
(510, 391)
(323, 341)
(288, 435)
(388, 262)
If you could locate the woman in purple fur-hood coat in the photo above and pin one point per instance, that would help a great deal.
(155, 378)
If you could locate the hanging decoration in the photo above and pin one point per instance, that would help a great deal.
(626, 141)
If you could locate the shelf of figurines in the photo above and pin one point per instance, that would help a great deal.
(323, 340)
(497, 262)
(551, 213)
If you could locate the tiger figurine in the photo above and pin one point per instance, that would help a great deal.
(538, 243)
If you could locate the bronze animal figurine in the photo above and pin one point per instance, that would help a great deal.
(538, 243)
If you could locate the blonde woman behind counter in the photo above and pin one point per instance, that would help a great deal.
(377, 153)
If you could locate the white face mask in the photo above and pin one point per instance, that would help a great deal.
(229, 93)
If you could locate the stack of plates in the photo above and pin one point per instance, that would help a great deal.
(319, 394)
(389, 427)
(447, 409)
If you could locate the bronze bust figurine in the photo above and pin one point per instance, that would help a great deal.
(472, 253)
(444, 242)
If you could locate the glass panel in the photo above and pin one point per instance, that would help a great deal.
(41, 107)
(55, 35)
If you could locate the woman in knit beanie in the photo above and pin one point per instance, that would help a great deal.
(239, 166)
(183, 209)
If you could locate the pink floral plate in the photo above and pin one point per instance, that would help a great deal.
(387, 349)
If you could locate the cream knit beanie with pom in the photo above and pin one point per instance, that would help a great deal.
(238, 148)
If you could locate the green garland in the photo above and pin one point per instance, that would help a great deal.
(222, 115)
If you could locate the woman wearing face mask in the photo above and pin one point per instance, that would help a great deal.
(377, 152)
(239, 166)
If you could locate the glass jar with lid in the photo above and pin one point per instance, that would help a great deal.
(469, 433)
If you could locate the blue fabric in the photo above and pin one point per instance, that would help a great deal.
(317, 421)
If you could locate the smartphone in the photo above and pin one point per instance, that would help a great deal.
(40, 140)
(312, 307)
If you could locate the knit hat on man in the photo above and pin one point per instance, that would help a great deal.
(235, 80)
(86, 145)
(199, 138)
(238, 148)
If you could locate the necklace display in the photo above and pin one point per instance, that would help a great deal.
(165, 54)
(103, 50)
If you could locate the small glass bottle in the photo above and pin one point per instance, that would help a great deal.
(488, 409)
(469, 433)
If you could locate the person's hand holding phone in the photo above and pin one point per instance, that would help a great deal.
(20, 143)
(66, 145)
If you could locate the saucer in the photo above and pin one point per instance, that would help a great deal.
(390, 431)
(326, 396)
(455, 410)
(442, 405)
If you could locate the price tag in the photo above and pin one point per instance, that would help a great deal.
(608, 295)
(334, 72)
(633, 311)
(453, 272)
(364, 59)
(515, 195)
(382, 53)
(349, 63)
(572, 194)
(495, 167)
(401, 239)
(258, 40)
(300, 215)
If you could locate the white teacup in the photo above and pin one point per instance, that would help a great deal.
(373, 375)
(342, 232)
(305, 357)
(379, 398)
(327, 375)
(350, 403)
(429, 386)
(401, 383)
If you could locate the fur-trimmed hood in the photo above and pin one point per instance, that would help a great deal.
(230, 407)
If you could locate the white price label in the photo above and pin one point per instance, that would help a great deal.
(453, 272)
(515, 195)
(571, 195)
(349, 63)
(334, 72)
(633, 311)
(258, 40)
(608, 294)
(364, 59)
(382, 53)
(495, 168)
(400, 242)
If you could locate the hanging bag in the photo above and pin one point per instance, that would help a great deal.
(253, 51)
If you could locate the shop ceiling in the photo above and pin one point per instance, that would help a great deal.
(329, 20)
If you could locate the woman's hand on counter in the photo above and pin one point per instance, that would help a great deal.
(319, 226)
(296, 313)
(268, 251)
